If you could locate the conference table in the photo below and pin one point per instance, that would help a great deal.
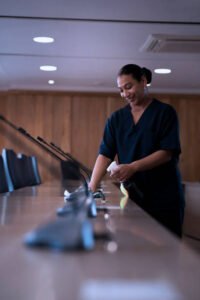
(141, 261)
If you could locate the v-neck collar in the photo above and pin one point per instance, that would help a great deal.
(145, 112)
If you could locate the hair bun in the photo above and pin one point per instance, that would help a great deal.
(148, 74)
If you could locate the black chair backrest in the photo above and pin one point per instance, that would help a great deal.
(3, 179)
(7, 170)
(33, 171)
(23, 169)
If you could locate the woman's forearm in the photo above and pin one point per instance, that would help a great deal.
(152, 161)
(99, 171)
(125, 171)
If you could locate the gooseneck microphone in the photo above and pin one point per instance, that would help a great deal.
(75, 162)
(44, 145)
(72, 230)
(82, 198)
(30, 137)
(67, 156)
(77, 169)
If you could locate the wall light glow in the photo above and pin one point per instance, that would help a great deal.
(51, 81)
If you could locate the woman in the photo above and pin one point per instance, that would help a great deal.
(145, 137)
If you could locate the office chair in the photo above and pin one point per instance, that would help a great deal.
(21, 170)
(3, 179)
(7, 171)
(33, 170)
(28, 170)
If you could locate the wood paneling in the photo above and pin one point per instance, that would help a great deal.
(40, 114)
(187, 107)
(88, 119)
(75, 122)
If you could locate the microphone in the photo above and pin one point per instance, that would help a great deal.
(71, 168)
(69, 233)
(62, 234)
(82, 197)
(44, 145)
(28, 136)
(75, 200)
(78, 202)
(72, 232)
(68, 156)
(88, 172)
(40, 142)
(76, 173)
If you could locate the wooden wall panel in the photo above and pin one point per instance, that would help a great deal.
(187, 107)
(40, 114)
(75, 121)
(114, 103)
(190, 137)
(88, 120)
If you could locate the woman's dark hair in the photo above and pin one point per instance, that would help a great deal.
(136, 72)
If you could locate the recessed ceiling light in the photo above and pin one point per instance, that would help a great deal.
(51, 81)
(48, 68)
(43, 39)
(162, 71)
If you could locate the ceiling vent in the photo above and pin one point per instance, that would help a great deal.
(171, 43)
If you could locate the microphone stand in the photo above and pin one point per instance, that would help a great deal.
(39, 143)
(88, 172)
(68, 156)
(27, 135)
(75, 199)
(81, 205)
(85, 201)
(48, 148)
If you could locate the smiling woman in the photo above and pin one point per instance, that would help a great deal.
(134, 89)
(144, 135)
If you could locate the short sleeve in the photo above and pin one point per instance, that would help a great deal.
(108, 143)
(169, 131)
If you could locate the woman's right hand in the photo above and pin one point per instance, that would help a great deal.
(123, 172)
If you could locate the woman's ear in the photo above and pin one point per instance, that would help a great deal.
(144, 80)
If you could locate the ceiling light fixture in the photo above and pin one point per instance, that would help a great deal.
(43, 39)
(162, 71)
(51, 81)
(48, 68)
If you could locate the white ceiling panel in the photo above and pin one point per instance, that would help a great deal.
(93, 39)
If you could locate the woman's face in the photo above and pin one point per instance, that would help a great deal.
(131, 89)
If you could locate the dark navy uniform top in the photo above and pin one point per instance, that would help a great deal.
(157, 129)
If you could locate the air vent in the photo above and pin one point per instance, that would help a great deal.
(171, 43)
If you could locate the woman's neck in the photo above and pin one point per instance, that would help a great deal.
(142, 106)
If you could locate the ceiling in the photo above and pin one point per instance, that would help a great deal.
(93, 40)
